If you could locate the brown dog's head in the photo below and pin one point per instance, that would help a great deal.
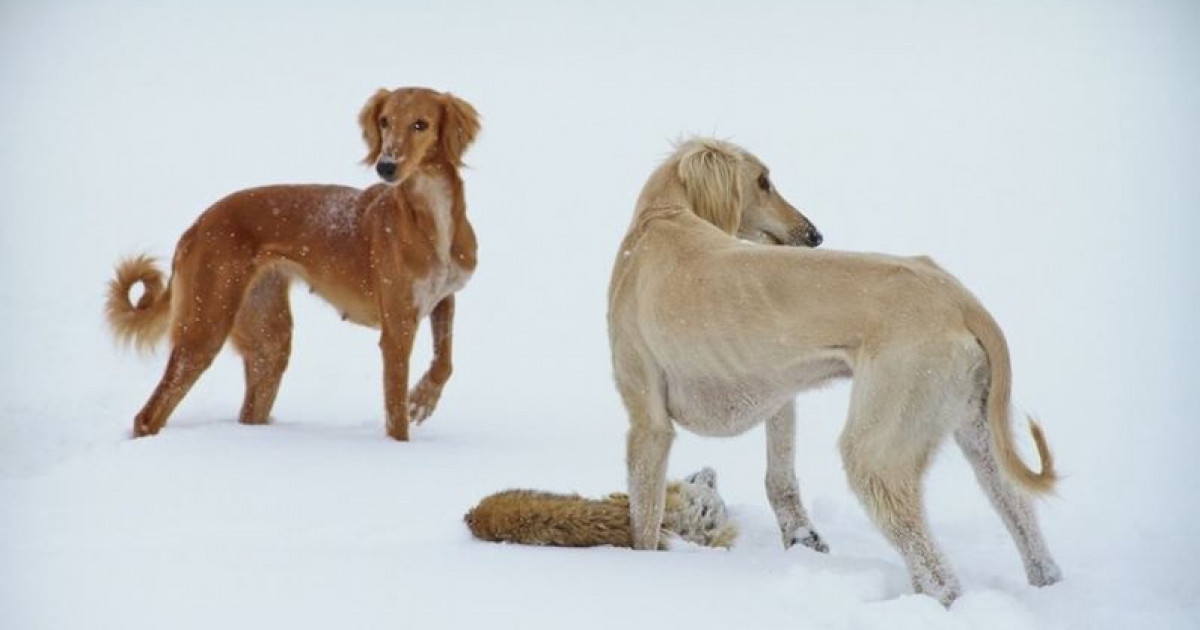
(408, 127)
(732, 189)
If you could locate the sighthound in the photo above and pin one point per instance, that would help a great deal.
(386, 257)
(718, 335)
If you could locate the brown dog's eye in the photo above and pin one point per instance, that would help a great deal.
(420, 125)
(383, 123)
(764, 183)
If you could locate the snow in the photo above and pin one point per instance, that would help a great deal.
(1044, 153)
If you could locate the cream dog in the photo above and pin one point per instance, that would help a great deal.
(718, 335)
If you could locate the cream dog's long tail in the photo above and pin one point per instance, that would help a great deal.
(146, 322)
(985, 329)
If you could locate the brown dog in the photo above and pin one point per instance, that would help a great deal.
(385, 257)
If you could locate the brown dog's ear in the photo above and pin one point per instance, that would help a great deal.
(460, 124)
(368, 119)
(711, 175)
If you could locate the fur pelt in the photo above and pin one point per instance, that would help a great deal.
(694, 512)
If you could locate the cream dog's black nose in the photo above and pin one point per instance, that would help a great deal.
(386, 170)
(813, 237)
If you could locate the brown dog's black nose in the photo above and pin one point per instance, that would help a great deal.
(813, 237)
(386, 170)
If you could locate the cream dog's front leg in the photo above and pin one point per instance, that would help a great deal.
(647, 448)
(783, 490)
(646, 460)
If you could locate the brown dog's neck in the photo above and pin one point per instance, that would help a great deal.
(428, 170)
(416, 190)
(432, 201)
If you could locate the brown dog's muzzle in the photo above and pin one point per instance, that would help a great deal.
(386, 170)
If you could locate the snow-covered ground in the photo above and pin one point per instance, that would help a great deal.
(1045, 152)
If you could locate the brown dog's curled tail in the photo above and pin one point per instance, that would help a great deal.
(998, 409)
(144, 323)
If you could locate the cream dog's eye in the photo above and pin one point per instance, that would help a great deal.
(420, 125)
(764, 183)
(383, 123)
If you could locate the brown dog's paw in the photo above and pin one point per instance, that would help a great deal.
(423, 400)
(143, 428)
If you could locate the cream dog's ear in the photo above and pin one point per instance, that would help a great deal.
(711, 175)
(368, 119)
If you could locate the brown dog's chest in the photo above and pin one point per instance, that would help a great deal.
(442, 260)
(445, 281)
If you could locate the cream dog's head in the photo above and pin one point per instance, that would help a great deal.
(731, 188)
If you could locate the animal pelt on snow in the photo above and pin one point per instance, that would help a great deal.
(694, 512)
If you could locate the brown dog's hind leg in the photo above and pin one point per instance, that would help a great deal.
(262, 334)
(208, 298)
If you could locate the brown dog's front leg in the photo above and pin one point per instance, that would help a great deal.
(399, 327)
(423, 398)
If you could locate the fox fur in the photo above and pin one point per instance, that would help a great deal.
(694, 512)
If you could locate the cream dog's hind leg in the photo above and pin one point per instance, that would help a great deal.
(896, 421)
(783, 490)
(1014, 508)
